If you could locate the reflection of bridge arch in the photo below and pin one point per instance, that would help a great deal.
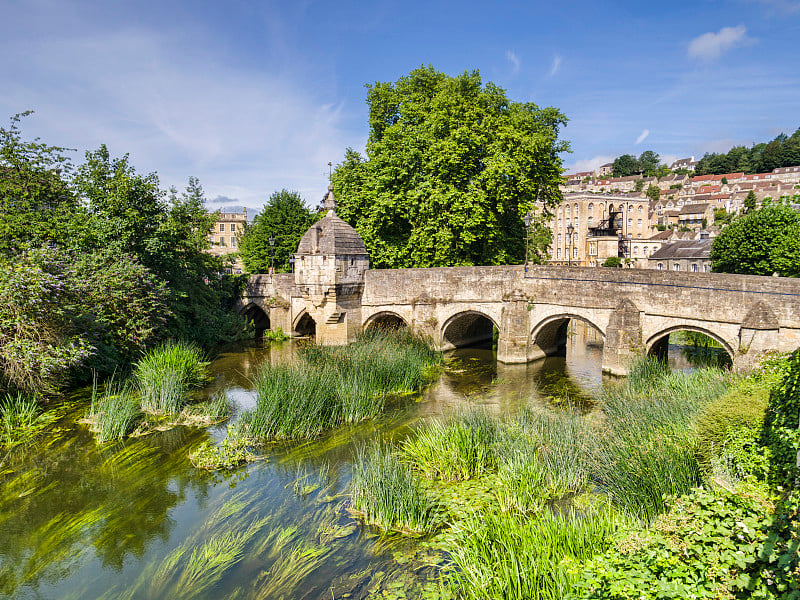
(550, 334)
(385, 320)
(257, 316)
(658, 343)
(467, 328)
(304, 325)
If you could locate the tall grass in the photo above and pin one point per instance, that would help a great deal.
(648, 449)
(387, 492)
(509, 557)
(456, 449)
(115, 411)
(165, 375)
(335, 385)
(21, 418)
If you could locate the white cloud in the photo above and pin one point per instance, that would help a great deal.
(642, 136)
(514, 60)
(554, 68)
(243, 132)
(590, 164)
(711, 46)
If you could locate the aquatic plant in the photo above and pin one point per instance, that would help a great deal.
(508, 556)
(275, 335)
(335, 385)
(387, 493)
(21, 418)
(115, 413)
(228, 454)
(165, 375)
(455, 449)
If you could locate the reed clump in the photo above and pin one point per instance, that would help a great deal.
(165, 376)
(115, 412)
(387, 493)
(456, 449)
(331, 386)
(21, 418)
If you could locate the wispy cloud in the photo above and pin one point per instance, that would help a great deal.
(642, 136)
(557, 60)
(711, 46)
(781, 6)
(590, 164)
(514, 60)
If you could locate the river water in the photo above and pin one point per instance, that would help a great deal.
(136, 520)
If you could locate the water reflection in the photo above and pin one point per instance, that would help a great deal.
(136, 520)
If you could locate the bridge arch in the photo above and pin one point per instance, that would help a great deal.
(386, 319)
(467, 328)
(305, 325)
(257, 316)
(658, 343)
(549, 336)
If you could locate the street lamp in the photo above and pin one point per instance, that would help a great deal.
(272, 255)
(291, 262)
(570, 231)
(527, 220)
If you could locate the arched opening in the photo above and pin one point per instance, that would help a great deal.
(686, 347)
(567, 336)
(260, 320)
(468, 330)
(386, 321)
(306, 326)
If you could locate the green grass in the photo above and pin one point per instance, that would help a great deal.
(331, 386)
(165, 375)
(387, 493)
(456, 449)
(21, 418)
(115, 412)
(510, 557)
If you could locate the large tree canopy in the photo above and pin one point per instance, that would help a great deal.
(762, 242)
(285, 218)
(452, 166)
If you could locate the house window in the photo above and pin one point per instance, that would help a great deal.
(676, 267)
(660, 266)
(630, 223)
(559, 239)
(589, 220)
(576, 221)
(640, 209)
(694, 268)
(590, 207)
(705, 268)
(636, 250)
(222, 227)
(233, 227)
(558, 255)
(221, 241)
(233, 242)
(639, 223)
(575, 252)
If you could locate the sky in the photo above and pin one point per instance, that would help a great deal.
(256, 96)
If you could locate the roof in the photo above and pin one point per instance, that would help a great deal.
(335, 237)
(698, 249)
(693, 208)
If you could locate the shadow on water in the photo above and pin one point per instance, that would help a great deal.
(136, 520)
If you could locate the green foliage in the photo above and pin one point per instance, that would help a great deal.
(750, 202)
(330, 386)
(782, 427)
(456, 449)
(653, 192)
(285, 218)
(710, 545)
(452, 166)
(385, 491)
(275, 335)
(613, 261)
(508, 556)
(783, 151)
(115, 413)
(625, 166)
(229, 454)
(762, 242)
(21, 418)
(166, 374)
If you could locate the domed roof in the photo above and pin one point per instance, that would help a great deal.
(333, 236)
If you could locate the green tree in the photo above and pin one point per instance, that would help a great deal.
(625, 166)
(613, 261)
(37, 206)
(762, 242)
(750, 202)
(649, 162)
(654, 192)
(452, 166)
(285, 218)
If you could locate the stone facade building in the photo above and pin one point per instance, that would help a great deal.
(225, 235)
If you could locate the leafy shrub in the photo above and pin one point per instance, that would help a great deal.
(709, 545)
(781, 431)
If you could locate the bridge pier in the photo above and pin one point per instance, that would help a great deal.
(513, 343)
(623, 338)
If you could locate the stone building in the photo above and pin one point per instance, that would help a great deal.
(589, 228)
(692, 256)
(225, 235)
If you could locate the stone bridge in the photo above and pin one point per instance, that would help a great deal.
(633, 310)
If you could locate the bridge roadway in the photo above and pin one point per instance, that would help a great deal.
(634, 310)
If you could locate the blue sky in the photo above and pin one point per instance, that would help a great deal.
(253, 96)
